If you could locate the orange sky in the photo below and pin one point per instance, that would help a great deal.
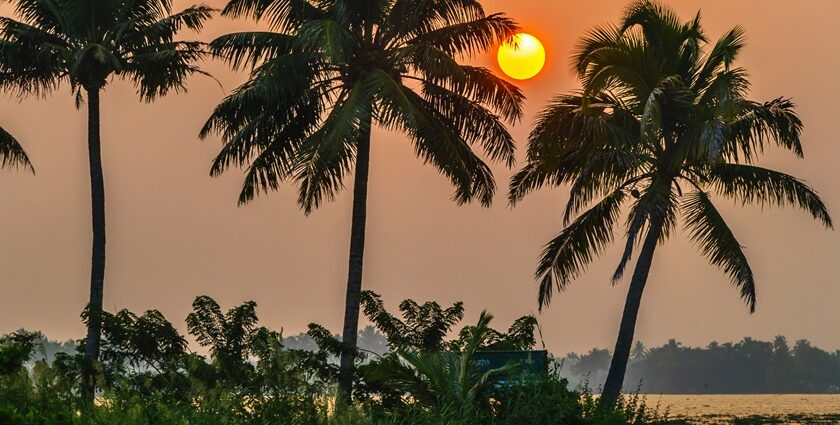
(174, 233)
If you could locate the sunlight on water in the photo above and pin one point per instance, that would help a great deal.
(717, 408)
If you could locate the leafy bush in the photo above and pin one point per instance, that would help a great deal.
(148, 376)
(15, 349)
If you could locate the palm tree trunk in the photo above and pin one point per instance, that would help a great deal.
(97, 269)
(624, 343)
(354, 275)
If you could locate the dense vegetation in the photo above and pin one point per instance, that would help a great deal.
(748, 366)
(148, 374)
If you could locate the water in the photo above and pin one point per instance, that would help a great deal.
(725, 408)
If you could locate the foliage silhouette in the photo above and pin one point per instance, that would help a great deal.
(745, 367)
(15, 350)
(148, 376)
(661, 110)
(85, 44)
(327, 72)
(425, 326)
(12, 153)
(445, 380)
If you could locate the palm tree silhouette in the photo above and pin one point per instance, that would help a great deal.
(12, 153)
(85, 43)
(658, 124)
(326, 72)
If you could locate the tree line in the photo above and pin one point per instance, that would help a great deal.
(749, 366)
(661, 127)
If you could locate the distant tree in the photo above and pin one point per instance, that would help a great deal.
(780, 372)
(660, 121)
(301, 341)
(639, 351)
(816, 370)
(371, 340)
(327, 72)
(47, 349)
(11, 153)
(596, 359)
(84, 44)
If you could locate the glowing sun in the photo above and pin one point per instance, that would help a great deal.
(521, 56)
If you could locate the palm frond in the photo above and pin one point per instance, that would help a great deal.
(469, 38)
(722, 55)
(439, 142)
(328, 153)
(716, 241)
(567, 255)
(251, 48)
(756, 125)
(282, 15)
(474, 122)
(480, 85)
(408, 18)
(751, 184)
(329, 37)
(273, 163)
(157, 69)
(11, 152)
(154, 28)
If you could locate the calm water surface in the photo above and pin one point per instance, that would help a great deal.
(786, 408)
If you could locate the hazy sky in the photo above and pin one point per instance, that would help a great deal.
(174, 233)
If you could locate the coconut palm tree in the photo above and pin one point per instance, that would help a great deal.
(11, 153)
(327, 71)
(85, 44)
(661, 121)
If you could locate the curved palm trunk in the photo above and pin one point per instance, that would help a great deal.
(354, 274)
(624, 343)
(97, 268)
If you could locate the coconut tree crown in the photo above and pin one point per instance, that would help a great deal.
(328, 70)
(661, 121)
(86, 42)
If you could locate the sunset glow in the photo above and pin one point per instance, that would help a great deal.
(522, 56)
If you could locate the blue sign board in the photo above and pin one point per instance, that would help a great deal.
(529, 363)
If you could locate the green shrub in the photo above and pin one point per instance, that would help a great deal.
(147, 376)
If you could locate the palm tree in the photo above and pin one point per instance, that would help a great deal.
(659, 123)
(85, 43)
(11, 153)
(327, 71)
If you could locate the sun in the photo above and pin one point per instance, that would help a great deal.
(521, 56)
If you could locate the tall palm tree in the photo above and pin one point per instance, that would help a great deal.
(86, 43)
(327, 71)
(660, 122)
(12, 153)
